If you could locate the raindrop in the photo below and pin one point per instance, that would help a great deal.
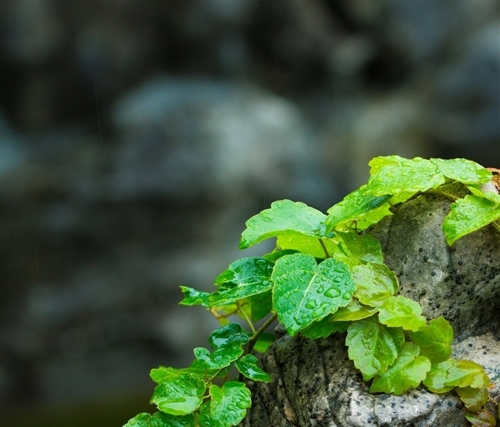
(332, 293)
(311, 304)
(347, 296)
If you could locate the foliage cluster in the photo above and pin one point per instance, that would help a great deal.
(327, 275)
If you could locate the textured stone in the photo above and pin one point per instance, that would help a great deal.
(314, 382)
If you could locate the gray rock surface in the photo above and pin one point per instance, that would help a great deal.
(314, 382)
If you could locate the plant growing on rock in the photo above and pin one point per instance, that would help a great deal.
(327, 275)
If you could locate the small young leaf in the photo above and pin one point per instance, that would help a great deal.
(283, 218)
(407, 372)
(373, 347)
(452, 373)
(481, 419)
(250, 276)
(355, 206)
(474, 398)
(403, 312)
(305, 291)
(248, 365)
(324, 328)
(410, 175)
(194, 297)
(463, 170)
(352, 311)
(374, 283)
(179, 393)
(467, 215)
(361, 248)
(307, 245)
(227, 342)
(159, 419)
(264, 340)
(490, 195)
(434, 340)
(220, 358)
(227, 407)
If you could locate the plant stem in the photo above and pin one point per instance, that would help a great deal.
(245, 316)
(256, 335)
(324, 248)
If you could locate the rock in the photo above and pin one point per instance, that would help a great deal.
(315, 384)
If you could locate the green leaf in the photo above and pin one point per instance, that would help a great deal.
(463, 170)
(177, 392)
(248, 365)
(361, 248)
(260, 305)
(305, 291)
(379, 162)
(250, 276)
(434, 340)
(227, 342)
(227, 406)
(399, 311)
(452, 373)
(264, 340)
(408, 176)
(159, 419)
(407, 372)
(356, 206)
(283, 218)
(352, 311)
(373, 347)
(307, 245)
(467, 215)
(194, 297)
(374, 283)
(473, 398)
(277, 254)
(324, 328)
(490, 195)
(481, 419)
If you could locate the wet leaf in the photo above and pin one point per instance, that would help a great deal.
(248, 365)
(467, 215)
(264, 341)
(227, 342)
(352, 311)
(407, 176)
(373, 347)
(374, 283)
(194, 297)
(305, 291)
(249, 276)
(434, 340)
(361, 248)
(407, 372)
(357, 206)
(227, 406)
(159, 419)
(399, 311)
(452, 373)
(177, 392)
(283, 218)
(463, 170)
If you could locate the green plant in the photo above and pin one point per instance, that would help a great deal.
(327, 275)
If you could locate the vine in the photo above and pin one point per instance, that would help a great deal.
(327, 275)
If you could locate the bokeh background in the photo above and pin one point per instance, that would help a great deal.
(138, 136)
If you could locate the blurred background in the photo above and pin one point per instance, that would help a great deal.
(138, 136)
